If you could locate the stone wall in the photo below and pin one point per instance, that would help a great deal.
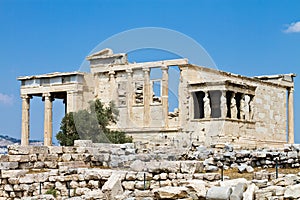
(139, 171)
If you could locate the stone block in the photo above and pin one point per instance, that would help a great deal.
(140, 176)
(3, 158)
(39, 165)
(55, 149)
(69, 150)
(191, 167)
(143, 194)
(8, 165)
(112, 187)
(260, 183)
(28, 178)
(8, 188)
(233, 182)
(128, 185)
(238, 191)
(101, 157)
(26, 165)
(292, 154)
(51, 157)
(74, 164)
(141, 185)
(169, 192)
(18, 158)
(138, 166)
(163, 176)
(211, 176)
(130, 176)
(39, 150)
(170, 166)
(263, 194)
(94, 194)
(18, 150)
(292, 192)
(198, 187)
(13, 173)
(93, 184)
(83, 143)
(50, 164)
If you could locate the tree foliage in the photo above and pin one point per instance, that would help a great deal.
(91, 124)
(67, 133)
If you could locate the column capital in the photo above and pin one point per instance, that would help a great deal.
(111, 73)
(291, 89)
(71, 91)
(25, 96)
(46, 94)
(146, 69)
(164, 67)
(129, 71)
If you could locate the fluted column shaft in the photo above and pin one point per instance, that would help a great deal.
(47, 119)
(165, 95)
(291, 116)
(25, 120)
(147, 95)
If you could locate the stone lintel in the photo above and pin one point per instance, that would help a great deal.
(133, 66)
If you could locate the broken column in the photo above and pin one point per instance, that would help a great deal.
(47, 119)
(25, 119)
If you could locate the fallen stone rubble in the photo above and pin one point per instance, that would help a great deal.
(136, 172)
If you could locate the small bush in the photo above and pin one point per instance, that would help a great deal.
(52, 191)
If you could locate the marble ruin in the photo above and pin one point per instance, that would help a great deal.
(213, 106)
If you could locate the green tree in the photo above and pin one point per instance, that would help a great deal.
(67, 133)
(91, 124)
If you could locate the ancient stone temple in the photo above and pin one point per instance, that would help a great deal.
(212, 106)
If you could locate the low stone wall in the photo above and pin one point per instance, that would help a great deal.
(139, 171)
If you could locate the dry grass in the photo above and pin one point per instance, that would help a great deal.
(37, 171)
(233, 173)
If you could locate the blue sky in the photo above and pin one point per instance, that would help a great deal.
(245, 37)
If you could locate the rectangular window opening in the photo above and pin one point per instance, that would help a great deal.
(156, 91)
(139, 93)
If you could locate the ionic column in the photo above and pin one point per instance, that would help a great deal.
(96, 81)
(147, 96)
(291, 116)
(129, 95)
(165, 95)
(25, 119)
(47, 119)
(223, 105)
(113, 87)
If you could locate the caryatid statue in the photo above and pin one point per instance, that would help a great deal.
(233, 108)
(242, 107)
(207, 109)
(247, 107)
